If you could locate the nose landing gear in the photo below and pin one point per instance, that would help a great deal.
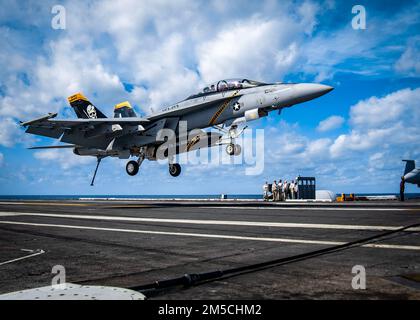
(132, 166)
(233, 149)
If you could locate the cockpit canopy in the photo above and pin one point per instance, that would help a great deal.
(228, 84)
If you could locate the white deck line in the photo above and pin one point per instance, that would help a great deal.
(213, 222)
(312, 208)
(214, 236)
(36, 253)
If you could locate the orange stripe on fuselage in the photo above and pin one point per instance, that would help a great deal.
(222, 108)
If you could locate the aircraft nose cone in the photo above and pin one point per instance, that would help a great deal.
(324, 88)
(309, 91)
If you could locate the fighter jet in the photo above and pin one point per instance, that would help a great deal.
(223, 105)
(411, 173)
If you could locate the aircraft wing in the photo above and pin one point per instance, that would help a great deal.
(54, 128)
(121, 121)
(64, 146)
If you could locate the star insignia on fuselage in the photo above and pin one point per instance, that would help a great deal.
(237, 106)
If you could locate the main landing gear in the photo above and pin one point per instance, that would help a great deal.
(174, 169)
(132, 168)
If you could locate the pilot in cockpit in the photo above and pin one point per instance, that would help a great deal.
(222, 86)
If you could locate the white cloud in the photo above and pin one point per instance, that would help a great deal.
(356, 141)
(330, 123)
(308, 11)
(390, 121)
(50, 79)
(360, 52)
(318, 148)
(245, 49)
(160, 56)
(9, 132)
(257, 47)
(368, 155)
(409, 62)
(376, 161)
(64, 158)
(1, 159)
(377, 112)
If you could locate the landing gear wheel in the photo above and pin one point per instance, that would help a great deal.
(237, 150)
(174, 169)
(230, 149)
(132, 167)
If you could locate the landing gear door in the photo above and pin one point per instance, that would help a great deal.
(171, 123)
(153, 129)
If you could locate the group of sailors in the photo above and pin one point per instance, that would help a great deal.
(281, 190)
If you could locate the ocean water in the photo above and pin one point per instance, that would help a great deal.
(181, 196)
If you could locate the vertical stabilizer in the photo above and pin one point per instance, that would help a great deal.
(124, 110)
(83, 108)
(409, 166)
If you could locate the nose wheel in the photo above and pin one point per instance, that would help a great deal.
(132, 168)
(233, 149)
(174, 169)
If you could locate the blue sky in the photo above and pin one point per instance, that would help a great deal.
(154, 53)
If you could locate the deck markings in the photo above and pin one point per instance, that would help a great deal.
(284, 206)
(73, 204)
(215, 222)
(213, 236)
(33, 254)
(312, 208)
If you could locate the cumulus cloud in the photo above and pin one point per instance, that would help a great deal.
(377, 112)
(318, 148)
(64, 158)
(330, 123)
(370, 152)
(390, 121)
(246, 48)
(9, 132)
(256, 47)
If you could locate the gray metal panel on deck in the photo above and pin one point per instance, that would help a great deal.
(73, 291)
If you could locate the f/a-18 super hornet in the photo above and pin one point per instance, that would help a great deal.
(223, 106)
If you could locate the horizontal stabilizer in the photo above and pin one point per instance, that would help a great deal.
(48, 116)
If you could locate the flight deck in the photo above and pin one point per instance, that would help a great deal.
(244, 249)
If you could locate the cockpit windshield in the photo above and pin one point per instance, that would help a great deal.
(228, 84)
